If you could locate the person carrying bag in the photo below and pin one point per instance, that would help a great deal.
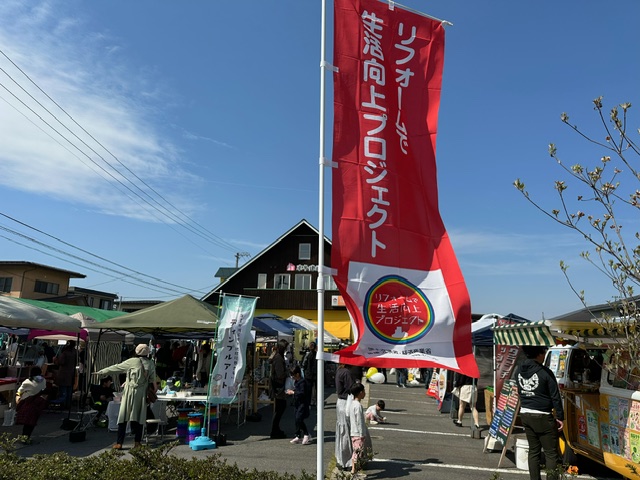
(141, 374)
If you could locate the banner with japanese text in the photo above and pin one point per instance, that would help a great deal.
(505, 357)
(395, 265)
(233, 335)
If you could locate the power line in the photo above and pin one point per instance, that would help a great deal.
(107, 172)
(210, 236)
(133, 275)
(147, 284)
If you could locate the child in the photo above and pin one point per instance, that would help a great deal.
(302, 399)
(373, 413)
(357, 429)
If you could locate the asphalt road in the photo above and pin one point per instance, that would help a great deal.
(417, 442)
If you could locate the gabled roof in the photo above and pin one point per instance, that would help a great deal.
(40, 265)
(301, 223)
(594, 311)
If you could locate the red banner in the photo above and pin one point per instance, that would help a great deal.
(395, 265)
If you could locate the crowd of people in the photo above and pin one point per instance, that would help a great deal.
(64, 383)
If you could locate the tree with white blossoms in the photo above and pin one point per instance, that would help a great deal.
(593, 202)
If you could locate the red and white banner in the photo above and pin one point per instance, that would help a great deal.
(395, 265)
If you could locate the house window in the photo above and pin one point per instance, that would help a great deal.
(281, 281)
(262, 280)
(90, 301)
(304, 251)
(5, 284)
(105, 304)
(303, 281)
(329, 284)
(46, 287)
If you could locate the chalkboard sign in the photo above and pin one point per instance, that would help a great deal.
(507, 407)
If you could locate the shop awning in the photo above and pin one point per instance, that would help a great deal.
(533, 333)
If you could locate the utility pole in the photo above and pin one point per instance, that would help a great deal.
(239, 255)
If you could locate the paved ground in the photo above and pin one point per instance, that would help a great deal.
(418, 442)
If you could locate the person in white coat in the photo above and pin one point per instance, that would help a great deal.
(360, 440)
(141, 372)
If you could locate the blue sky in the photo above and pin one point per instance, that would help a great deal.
(214, 106)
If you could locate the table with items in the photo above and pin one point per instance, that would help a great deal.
(191, 412)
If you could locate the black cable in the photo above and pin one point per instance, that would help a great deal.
(220, 242)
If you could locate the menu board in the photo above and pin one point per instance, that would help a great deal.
(507, 406)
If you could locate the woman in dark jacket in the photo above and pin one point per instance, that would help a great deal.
(276, 380)
(66, 361)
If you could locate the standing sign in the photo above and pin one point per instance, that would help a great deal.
(395, 265)
(505, 415)
(234, 333)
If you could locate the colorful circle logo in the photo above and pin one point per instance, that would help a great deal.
(396, 311)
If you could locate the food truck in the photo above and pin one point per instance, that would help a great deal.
(602, 404)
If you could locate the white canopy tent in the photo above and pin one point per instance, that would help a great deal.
(17, 314)
(309, 325)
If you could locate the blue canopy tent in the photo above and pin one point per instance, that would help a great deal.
(272, 325)
(484, 348)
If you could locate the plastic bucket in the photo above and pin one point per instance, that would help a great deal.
(522, 454)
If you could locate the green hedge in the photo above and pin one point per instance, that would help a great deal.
(145, 463)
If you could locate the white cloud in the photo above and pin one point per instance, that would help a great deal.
(504, 253)
(193, 136)
(69, 64)
(473, 242)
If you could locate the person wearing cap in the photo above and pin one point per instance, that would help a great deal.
(141, 372)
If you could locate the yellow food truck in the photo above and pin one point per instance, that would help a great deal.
(602, 404)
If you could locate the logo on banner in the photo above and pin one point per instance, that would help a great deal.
(397, 312)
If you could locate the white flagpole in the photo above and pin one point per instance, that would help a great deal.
(321, 267)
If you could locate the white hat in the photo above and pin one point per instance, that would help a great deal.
(142, 350)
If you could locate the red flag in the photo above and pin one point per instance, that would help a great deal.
(395, 265)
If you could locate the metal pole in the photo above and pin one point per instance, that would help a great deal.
(321, 267)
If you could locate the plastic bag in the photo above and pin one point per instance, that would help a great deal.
(9, 418)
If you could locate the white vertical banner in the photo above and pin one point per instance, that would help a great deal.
(234, 333)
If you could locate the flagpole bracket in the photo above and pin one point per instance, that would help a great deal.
(324, 270)
(328, 163)
(328, 66)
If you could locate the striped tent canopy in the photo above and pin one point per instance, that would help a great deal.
(533, 333)
(614, 330)
(545, 332)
